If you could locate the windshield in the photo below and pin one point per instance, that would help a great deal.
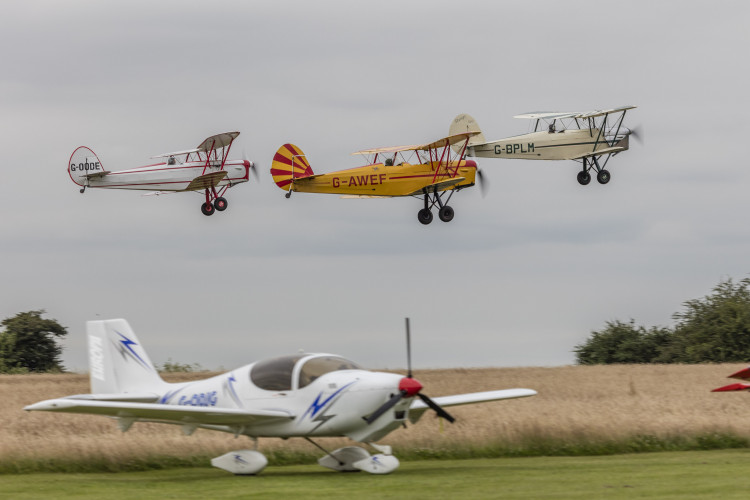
(321, 365)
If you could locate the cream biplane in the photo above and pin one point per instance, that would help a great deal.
(205, 168)
(431, 171)
(590, 138)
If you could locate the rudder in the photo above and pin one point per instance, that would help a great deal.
(84, 164)
(465, 123)
(117, 362)
(288, 163)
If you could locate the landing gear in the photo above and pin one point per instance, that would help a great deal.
(592, 163)
(424, 216)
(603, 176)
(208, 208)
(221, 204)
(214, 201)
(445, 213)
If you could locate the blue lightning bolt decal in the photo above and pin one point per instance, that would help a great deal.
(229, 387)
(128, 344)
(318, 405)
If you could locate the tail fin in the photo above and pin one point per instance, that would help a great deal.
(83, 165)
(465, 123)
(289, 163)
(117, 361)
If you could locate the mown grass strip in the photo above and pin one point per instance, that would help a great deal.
(683, 475)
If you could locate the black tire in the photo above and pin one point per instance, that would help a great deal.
(207, 209)
(424, 216)
(603, 176)
(221, 204)
(446, 213)
(583, 178)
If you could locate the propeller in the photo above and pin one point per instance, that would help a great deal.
(409, 387)
(252, 165)
(637, 133)
(483, 184)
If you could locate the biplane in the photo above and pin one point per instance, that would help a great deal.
(300, 395)
(590, 138)
(205, 168)
(431, 172)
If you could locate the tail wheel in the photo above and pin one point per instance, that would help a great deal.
(583, 178)
(603, 176)
(424, 216)
(221, 204)
(446, 213)
(207, 209)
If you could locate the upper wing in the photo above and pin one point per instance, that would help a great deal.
(418, 406)
(217, 141)
(445, 141)
(201, 415)
(557, 115)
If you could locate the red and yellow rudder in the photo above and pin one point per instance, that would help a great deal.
(289, 163)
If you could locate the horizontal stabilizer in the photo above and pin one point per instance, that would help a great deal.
(201, 415)
(743, 374)
(440, 185)
(733, 387)
(96, 175)
(206, 181)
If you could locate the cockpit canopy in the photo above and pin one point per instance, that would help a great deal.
(278, 374)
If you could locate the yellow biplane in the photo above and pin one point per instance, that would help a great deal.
(432, 171)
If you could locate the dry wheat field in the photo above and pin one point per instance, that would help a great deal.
(575, 404)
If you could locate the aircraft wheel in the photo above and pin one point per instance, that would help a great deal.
(583, 178)
(424, 216)
(221, 204)
(207, 209)
(445, 213)
(603, 176)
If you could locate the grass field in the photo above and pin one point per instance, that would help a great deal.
(683, 475)
(580, 410)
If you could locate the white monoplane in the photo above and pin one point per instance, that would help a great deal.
(590, 138)
(301, 395)
(205, 168)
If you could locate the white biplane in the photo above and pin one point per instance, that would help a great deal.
(205, 168)
(590, 138)
(301, 395)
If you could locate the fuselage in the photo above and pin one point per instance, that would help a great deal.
(379, 179)
(168, 177)
(320, 402)
(562, 145)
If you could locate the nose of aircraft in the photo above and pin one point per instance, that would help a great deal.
(409, 387)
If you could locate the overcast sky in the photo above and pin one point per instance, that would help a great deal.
(518, 278)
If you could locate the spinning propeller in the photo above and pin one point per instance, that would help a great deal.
(637, 133)
(409, 387)
(252, 165)
(482, 182)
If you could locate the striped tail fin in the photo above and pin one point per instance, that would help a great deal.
(289, 163)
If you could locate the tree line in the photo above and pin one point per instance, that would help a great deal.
(712, 329)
